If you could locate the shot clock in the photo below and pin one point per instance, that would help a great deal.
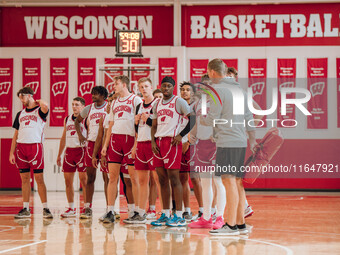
(129, 43)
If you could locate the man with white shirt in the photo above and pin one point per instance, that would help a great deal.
(120, 140)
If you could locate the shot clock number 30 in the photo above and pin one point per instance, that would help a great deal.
(129, 43)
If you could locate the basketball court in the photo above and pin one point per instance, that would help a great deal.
(283, 223)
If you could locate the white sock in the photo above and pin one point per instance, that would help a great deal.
(137, 208)
(110, 208)
(71, 205)
(207, 196)
(179, 214)
(187, 209)
(87, 205)
(213, 210)
(131, 209)
(200, 209)
(221, 196)
(44, 205)
(167, 212)
(246, 204)
(26, 205)
(152, 208)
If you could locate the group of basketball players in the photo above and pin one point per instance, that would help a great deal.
(154, 143)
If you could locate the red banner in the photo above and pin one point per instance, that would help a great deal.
(257, 81)
(6, 91)
(338, 88)
(231, 63)
(84, 26)
(108, 75)
(167, 67)
(286, 78)
(86, 78)
(260, 25)
(137, 74)
(59, 91)
(198, 67)
(31, 75)
(317, 85)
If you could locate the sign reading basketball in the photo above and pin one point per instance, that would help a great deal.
(129, 43)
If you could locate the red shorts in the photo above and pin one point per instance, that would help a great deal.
(29, 156)
(169, 155)
(144, 156)
(188, 159)
(120, 149)
(74, 160)
(206, 154)
(88, 156)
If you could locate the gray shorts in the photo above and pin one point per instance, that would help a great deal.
(229, 161)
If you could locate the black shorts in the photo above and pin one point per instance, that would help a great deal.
(229, 161)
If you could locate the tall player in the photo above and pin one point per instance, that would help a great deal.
(93, 113)
(166, 140)
(28, 148)
(74, 155)
(143, 152)
(121, 138)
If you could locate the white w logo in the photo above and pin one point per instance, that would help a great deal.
(4, 87)
(317, 88)
(58, 88)
(33, 85)
(86, 87)
(257, 88)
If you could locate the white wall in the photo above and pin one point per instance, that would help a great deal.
(184, 55)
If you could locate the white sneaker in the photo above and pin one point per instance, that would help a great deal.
(151, 215)
(69, 213)
(103, 216)
(248, 212)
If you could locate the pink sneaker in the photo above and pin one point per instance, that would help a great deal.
(248, 212)
(218, 223)
(201, 223)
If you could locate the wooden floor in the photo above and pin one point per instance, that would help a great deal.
(283, 223)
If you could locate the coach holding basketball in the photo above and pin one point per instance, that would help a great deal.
(231, 142)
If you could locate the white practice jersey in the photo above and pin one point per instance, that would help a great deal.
(72, 140)
(168, 119)
(144, 130)
(31, 127)
(93, 120)
(203, 132)
(123, 114)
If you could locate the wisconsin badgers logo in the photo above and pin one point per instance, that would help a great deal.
(33, 85)
(86, 87)
(27, 123)
(59, 88)
(317, 88)
(73, 133)
(110, 87)
(4, 87)
(97, 121)
(171, 105)
(120, 114)
(163, 118)
(257, 88)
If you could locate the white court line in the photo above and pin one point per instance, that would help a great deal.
(23, 246)
(9, 228)
(299, 231)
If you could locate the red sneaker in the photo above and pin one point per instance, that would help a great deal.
(201, 223)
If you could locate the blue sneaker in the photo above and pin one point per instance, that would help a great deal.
(176, 221)
(161, 221)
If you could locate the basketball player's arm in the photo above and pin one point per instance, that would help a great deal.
(178, 138)
(107, 138)
(103, 160)
(252, 140)
(98, 143)
(77, 122)
(62, 144)
(43, 105)
(154, 146)
(13, 146)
